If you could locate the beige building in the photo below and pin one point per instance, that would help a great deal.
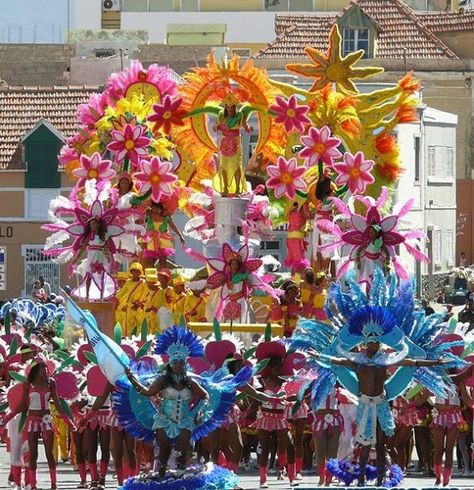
(34, 123)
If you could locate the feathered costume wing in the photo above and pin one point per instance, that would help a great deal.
(386, 314)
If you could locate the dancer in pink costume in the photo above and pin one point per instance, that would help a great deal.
(327, 428)
(272, 415)
(37, 392)
(295, 241)
(445, 426)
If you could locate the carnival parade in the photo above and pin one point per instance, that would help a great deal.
(147, 375)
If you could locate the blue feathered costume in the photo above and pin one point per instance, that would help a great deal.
(141, 418)
(386, 315)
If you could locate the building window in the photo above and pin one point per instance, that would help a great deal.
(189, 5)
(37, 203)
(440, 161)
(417, 158)
(161, 5)
(289, 5)
(135, 6)
(271, 247)
(355, 39)
(38, 264)
(437, 247)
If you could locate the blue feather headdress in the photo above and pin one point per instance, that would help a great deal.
(179, 343)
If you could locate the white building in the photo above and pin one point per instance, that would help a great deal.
(428, 152)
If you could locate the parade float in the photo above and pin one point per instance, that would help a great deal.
(324, 166)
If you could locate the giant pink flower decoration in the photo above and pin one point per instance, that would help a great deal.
(286, 178)
(372, 237)
(220, 266)
(93, 168)
(354, 172)
(88, 114)
(319, 146)
(130, 143)
(167, 114)
(155, 176)
(290, 114)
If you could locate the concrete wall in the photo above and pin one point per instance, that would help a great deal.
(34, 64)
(246, 27)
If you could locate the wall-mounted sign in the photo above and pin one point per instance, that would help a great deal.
(6, 231)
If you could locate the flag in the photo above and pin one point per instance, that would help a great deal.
(111, 359)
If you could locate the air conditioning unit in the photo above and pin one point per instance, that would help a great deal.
(111, 5)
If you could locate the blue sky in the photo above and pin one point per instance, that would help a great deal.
(28, 20)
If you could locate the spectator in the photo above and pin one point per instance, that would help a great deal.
(426, 306)
(37, 291)
(463, 260)
(46, 286)
(467, 314)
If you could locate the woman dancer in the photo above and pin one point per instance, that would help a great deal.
(406, 417)
(120, 440)
(175, 419)
(96, 424)
(37, 392)
(287, 309)
(159, 242)
(272, 418)
(445, 426)
(327, 428)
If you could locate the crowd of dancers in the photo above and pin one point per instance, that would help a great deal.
(273, 425)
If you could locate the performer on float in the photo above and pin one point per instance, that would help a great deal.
(307, 292)
(195, 305)
(184, 413)
(372, 237)
(385, 317)
(151, 305)
(287, 308)
(131, 300)
(230, 178)
(236, 274)
(181, 293)
(37, 392)
(296, 243)
(159, 242)
(95, 268)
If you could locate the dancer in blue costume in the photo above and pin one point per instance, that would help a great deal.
(175, 418)
(387, 332)
(189, 407)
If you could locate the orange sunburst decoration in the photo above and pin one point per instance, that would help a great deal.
(333, 68)
(207, 88)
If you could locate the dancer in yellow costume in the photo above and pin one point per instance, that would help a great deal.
(195, 305)
(151, 310)
(181, 294)
(230, 179)
(131, 301)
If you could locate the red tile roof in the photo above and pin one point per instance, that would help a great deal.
(398, 25)
(22, 107)
(438, 22)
